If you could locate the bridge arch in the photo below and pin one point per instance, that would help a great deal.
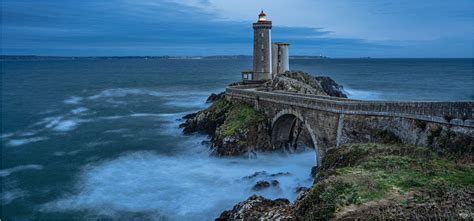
(283, 125)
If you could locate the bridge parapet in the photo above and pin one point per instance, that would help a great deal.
(456, 113)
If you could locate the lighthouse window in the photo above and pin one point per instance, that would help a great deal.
(245, 76)
(261, 35)
(263, 46)
(262, 58)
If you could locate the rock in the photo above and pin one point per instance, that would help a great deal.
(280, 174)
(189, 116)
(260, 185)
(275, 183)
(260, 208)
(304, 83)
(214, 97)
(254, 175)
(301, 189)
(314, 171)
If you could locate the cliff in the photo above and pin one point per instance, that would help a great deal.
(236, 128)
(373, 181)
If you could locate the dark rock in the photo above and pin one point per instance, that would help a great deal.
(314, 171)
(254, 175)
(280, 174)
(331, 87)
(260, 185)
(189, 116)
(275, 183)
(301, 189)
(259, 208)
(214, 97)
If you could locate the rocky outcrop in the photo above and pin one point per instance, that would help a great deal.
(260, 208)
(214, 97)
(236, 128)
(304, 83)
(375, 182)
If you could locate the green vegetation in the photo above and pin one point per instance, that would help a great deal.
(361, 173)
(240, 116)
(219, 106)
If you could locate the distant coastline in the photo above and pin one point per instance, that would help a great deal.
(213, 57)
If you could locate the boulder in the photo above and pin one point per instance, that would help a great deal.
(260, 208)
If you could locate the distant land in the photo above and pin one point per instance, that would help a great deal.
(215, 57)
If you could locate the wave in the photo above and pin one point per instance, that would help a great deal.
(11, 195)
(73, 100)
(122, 92)
(362, 95)
(79, 110)
(7, 172)
(19, 142)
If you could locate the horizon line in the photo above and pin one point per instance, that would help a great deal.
(204, 56)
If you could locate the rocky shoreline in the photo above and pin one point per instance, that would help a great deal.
(355, 181)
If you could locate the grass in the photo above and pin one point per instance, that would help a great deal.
(241, 116)
(357, 174)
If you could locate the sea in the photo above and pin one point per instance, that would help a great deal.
(98, 139)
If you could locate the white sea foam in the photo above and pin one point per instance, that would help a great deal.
(73, 100)
(122, 92)
(79, 110)
(192, 185)
(23, 141)
(362, 95)
(66, 125)
(7, 135)
(61, 124)
(11, 195)
(192, 102)
(7, 172)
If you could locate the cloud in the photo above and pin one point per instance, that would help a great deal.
(204, 27)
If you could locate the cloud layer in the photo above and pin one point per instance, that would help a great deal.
(210, 27)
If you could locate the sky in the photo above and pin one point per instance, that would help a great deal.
(342, 28)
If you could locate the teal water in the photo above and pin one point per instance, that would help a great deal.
(98, 139)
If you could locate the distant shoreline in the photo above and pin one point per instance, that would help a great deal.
(215, 57)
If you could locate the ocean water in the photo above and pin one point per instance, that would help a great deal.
(99, 139)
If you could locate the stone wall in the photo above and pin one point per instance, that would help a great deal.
(454, 113)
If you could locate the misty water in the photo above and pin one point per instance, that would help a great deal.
(100, 138)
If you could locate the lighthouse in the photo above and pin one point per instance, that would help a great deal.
(268, 60)
(262, 48)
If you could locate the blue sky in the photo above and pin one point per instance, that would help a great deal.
(342, 28)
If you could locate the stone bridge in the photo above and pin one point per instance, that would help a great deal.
(329, 121)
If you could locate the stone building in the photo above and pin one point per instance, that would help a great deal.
(268, 60)
(280, 60)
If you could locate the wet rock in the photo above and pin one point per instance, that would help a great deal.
(314, 171)
(275, 183)
(214, 97)
(301, 189)
(260, 208)
(260, 185)
(280, 174)
(255, 175)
